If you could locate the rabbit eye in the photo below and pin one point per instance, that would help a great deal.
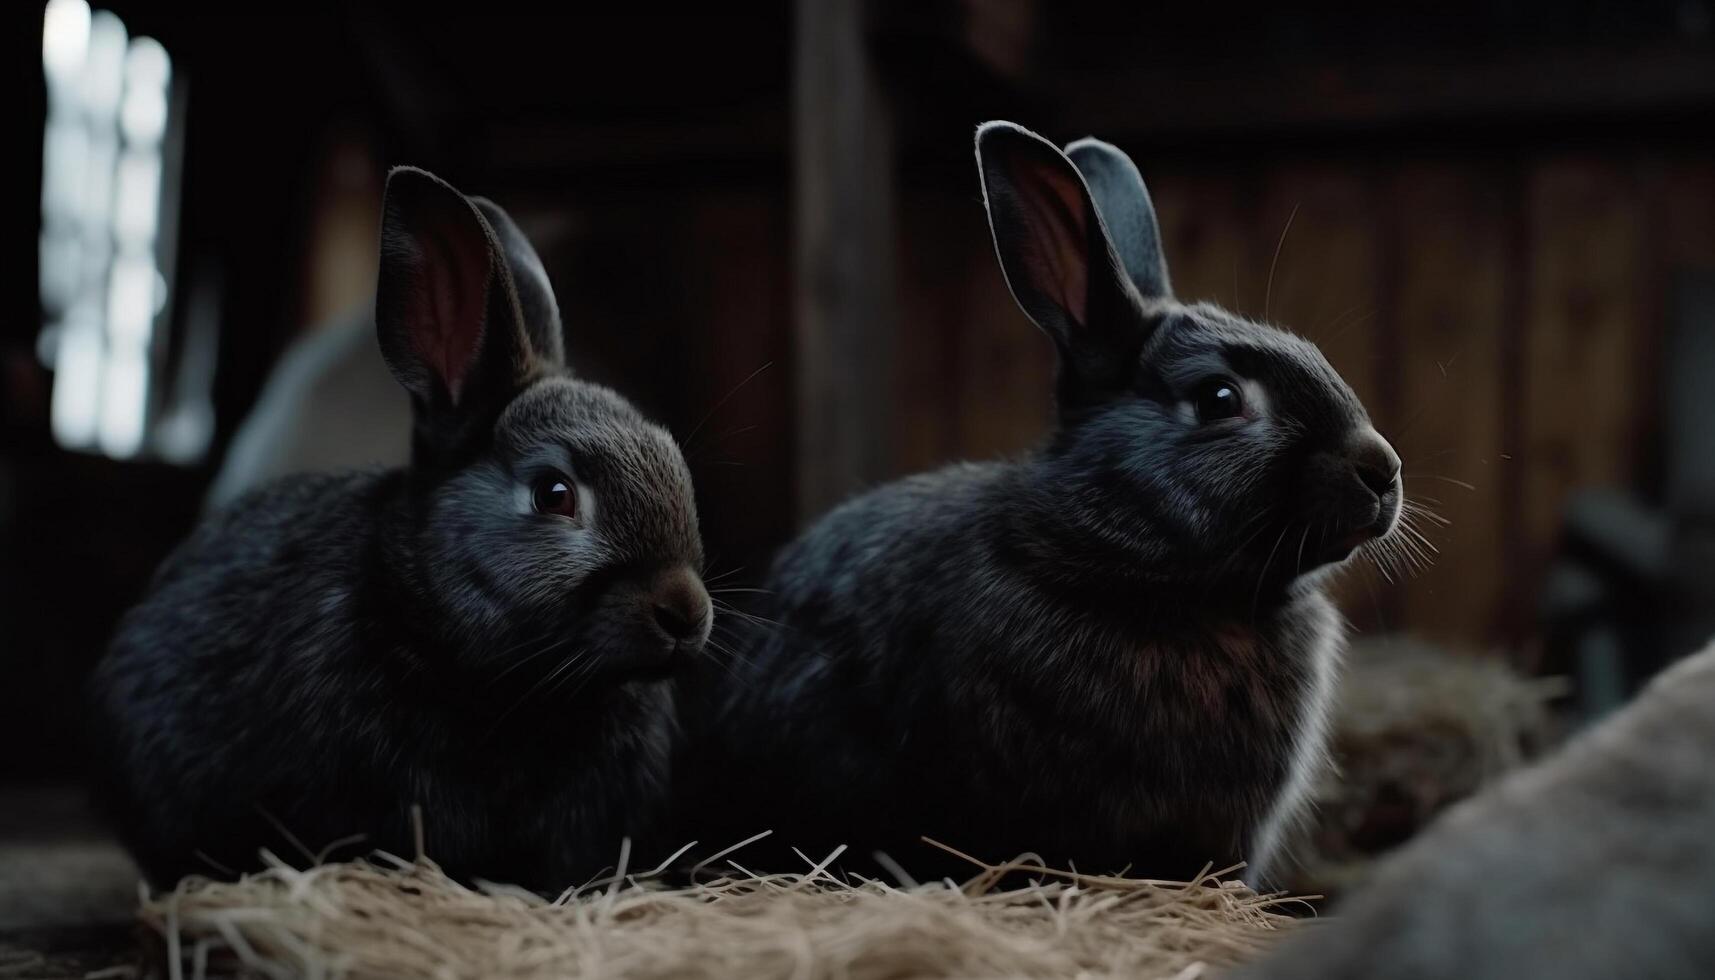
(555, 495)
(1219, 399)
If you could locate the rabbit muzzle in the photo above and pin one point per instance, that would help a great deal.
(680, 611)
(1355, 492)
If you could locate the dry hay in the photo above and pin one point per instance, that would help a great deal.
(392, 918)
(1416, 727)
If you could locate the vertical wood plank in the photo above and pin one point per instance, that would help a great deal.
(1207, 230)
(844, 293)
(932, 287)
(1683, 214)
(1449, 317)
(976, 375)
(1583, 339)
(738, 426)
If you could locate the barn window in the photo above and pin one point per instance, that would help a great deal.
(109, 208)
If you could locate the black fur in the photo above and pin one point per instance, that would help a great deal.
(330, 650)
(1117, 189)
(1113, 652)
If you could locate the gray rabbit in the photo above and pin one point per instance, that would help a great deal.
(1115, 651)
(1592, 864)
(486, 633)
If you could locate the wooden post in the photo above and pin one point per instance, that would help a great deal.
(844, 277)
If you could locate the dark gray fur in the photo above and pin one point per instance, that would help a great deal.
(1118, 189)
(331, 649)
(1593, 864)
(1114, 651)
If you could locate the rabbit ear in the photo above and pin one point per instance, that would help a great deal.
(1057, 257)
(1129, 215)
(536, 300)
(446, 312)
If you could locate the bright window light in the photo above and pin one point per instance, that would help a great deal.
(105, 242)
(65, 38)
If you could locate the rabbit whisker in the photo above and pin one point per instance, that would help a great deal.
(750, 618)
(543, 644)
(1256, 597)
(582, 675)
(1414, 509)
(729, 651)
(1443, 479)
(729, 654)
(1268, 291)
(1377, 561)
(711, 413)
(558, 670)
(1409, 526)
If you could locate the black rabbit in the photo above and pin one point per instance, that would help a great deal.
(486, 632)
(1114, 652)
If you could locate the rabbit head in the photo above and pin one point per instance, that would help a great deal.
(548, 522)
(1197, 445)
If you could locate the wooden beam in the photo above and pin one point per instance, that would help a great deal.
(843, 245)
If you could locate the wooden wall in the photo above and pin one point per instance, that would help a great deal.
(1499, 313)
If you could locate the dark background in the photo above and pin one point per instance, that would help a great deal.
(1496, 211)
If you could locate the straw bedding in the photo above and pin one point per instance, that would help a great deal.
(1415, 729)
(390, 918)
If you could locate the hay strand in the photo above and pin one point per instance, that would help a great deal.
(389, 919)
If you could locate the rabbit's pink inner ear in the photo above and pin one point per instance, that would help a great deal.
(1057, 248)
(437, 264)
(445, 311)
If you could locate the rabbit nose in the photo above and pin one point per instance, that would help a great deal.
(681, 606)
(675, 622)
(1374, 461)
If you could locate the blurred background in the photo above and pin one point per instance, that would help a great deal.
(764, 225)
